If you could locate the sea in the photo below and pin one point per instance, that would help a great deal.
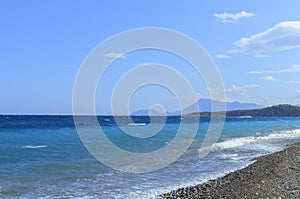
(44, 157)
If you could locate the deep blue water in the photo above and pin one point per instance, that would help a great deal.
(43, 156)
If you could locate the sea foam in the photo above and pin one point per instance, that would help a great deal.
(237, 142)
(34, 147)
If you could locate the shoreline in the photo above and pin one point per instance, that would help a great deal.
(276, 175)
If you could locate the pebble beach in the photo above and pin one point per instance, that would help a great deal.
(272, 176)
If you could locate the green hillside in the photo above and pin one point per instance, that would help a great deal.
(283, 110)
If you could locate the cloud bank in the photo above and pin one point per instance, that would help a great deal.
(283, 36)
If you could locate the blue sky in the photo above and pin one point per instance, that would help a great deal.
(255, 45)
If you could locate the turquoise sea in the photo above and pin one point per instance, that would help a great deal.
(43, 156)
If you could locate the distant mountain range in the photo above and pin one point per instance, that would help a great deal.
(147, 112)
(203, 105)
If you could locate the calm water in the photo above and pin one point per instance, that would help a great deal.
(43, 157)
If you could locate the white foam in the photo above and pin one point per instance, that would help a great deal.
(153, 193)
(237, 142)
(35, 147)
(230, 155)
(245, 117)
(136, 124)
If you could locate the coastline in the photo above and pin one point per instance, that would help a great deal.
(276, 175)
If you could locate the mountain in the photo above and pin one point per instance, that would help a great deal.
(147, 112)
(204, 105)
(282, 110)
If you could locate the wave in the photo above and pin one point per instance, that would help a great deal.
(244, 117)
(147, 193)
(34, 147)
(136, 124)
(238, 142)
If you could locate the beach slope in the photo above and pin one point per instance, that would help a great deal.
(272, 176)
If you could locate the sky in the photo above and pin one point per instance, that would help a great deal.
(254, 44)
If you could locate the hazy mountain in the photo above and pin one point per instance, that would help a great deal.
(205, 106)
(146, 112)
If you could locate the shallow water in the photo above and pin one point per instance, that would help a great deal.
(43, 157)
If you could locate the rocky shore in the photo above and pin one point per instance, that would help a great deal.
(272, 176)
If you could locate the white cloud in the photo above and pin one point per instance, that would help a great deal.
(241, 93)
(216, 94)
(221, 56)
(293, 69)
(234, 88)
(291, 82)
(233, 18)
(283, 36)
(269, 78)
(115, 55)
(262, 56)
(261, 72)
(272, 101)
(298, 93)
